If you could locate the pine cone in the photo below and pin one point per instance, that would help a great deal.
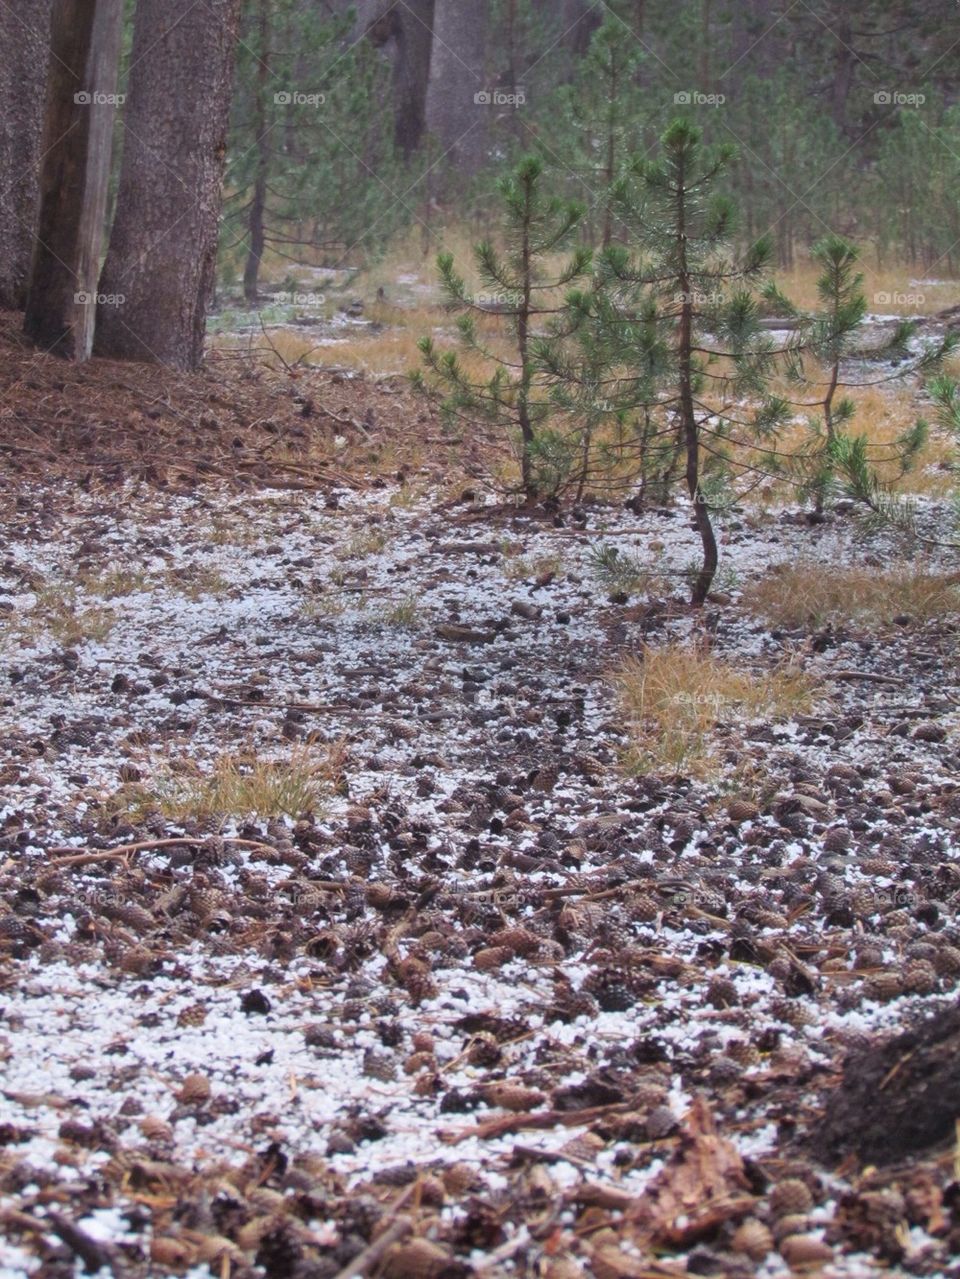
(947, 961)
(484, 1050)
(520, 940)
(920, 977)
(492, 957)
(613, 988)
(790, 1197)
(568, 1005)
(193, 1015)
(885, 986)
(753, 1239)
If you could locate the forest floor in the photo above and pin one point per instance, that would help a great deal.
(352, 923)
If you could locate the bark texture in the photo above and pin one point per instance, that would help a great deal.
(163, 246)
(74, 174)
(404, 32)
(24, 52)
(458, 73)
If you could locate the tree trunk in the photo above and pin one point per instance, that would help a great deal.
(405, 34)
(163, 248)
(258, 201)
(688, 418)
(25, 46)
(74, 174)
(458, 74)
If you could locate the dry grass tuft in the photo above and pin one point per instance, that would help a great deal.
(196, 582)
(242, 785)
(677, 696)
(58, 614)
(795, 595)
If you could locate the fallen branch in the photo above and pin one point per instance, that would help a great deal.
(371, 1255)
(869, 676)
(147, 845)
(95, 1255)
(504, 1124)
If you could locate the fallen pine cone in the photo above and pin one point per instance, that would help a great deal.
(418, 1259)
(753, 1239)
(515, 1097)
(805, 1250)
(790, 1197)
(195, 1088)
(484, 1050)
(520, 940)
(171, 1253)
(741, 810)
(493, 957)
(155, 1129)
(417, 1062)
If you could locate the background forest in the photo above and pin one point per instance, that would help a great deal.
(845, 116)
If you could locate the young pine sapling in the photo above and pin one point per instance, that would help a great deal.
(500, 382)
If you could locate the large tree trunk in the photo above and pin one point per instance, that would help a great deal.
(24, 53)
(405, 33)
(264, 143)
(74, 174)
(163, 247)
(458, 75)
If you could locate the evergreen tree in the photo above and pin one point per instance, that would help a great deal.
(680, 328)
(605, 110)
(311, 162)
(522, 289)
(821, 360)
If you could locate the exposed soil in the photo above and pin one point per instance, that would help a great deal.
(494, 1006)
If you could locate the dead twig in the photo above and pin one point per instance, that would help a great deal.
(869, 677)
(504, 1124)
(147, 845)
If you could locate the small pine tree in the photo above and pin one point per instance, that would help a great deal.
(819, 359)
(886, 506)
(680, 325)
(522, 289)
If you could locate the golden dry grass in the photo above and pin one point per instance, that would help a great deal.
(892, 289)
(795, 595)
(240, 785)
(196, 582)
(675, 697)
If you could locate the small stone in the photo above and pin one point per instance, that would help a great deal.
(255, 1001)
